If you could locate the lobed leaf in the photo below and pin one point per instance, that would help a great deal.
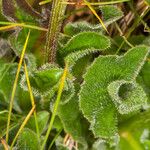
(96, 102)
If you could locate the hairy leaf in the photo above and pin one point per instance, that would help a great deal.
(110, 14)
(127, 96)
(17, 39)
(42, 119)
(19, 11)
(7, 74)
(43, 79)
(22, 12)
(83, 44)
(73, 120)
(96, 103)
(28, 140)
(72, 29)
(144, 78)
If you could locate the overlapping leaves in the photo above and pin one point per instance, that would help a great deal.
(110, 87)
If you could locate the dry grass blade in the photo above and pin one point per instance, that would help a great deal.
(9, 27)
(31, 97)
(96, 3)
(12, 24)
(4, 144)
(96, 15)
(45, 2)
(22, 126)
(15, 85)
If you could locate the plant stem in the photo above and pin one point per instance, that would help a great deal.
(57, 13)
(60, 90)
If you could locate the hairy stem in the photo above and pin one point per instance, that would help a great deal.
(57, 13)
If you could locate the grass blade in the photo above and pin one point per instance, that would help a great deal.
(60, 90)
(96, 15)
(15, 85)
(31, 97)
(9, 27)
(45, 2)
(22, 126)
(97, 3)
(12, 24)
(4, 144)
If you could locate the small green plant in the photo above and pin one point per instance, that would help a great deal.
(84, 89)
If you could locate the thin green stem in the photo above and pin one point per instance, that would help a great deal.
(56, 136)
(60, 90)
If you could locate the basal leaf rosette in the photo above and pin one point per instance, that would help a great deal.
(110, 88)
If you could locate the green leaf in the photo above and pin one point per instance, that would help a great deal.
(28, 140)
(85, 40)
(135, 132)
(2, 147)
(110, 14)
(22, 12)
(144, 78)
(23, 100)
(127, 96)
(7, 74)
(72, 120)
(96, 103)
(17, 40)
(42, 119)
(16, 10)
(83, 44)
(72, 29)
(43, 79)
